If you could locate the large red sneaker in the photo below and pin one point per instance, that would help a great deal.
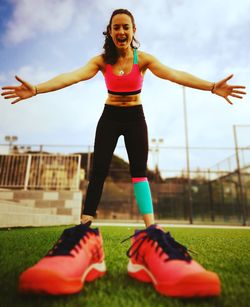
(77, 257)
(157, 258)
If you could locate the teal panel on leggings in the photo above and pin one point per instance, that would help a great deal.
(143, 197)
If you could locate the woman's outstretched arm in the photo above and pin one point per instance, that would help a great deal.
(220, 88)
(26, 90)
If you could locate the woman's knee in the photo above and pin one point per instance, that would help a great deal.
(137, 172)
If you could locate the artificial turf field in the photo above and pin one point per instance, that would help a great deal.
(225, 251)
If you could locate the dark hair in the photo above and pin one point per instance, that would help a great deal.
(110, 54)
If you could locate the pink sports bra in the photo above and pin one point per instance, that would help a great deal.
(127, 84)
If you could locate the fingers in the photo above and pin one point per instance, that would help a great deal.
(227, 78)
(17, 100)
(19, 79)
(25, 83)
(237, 86)
(7, 93)
(228, 100)
(238, 92)
(13, 87)
(11, 96)
(9, 87)
(237, 96)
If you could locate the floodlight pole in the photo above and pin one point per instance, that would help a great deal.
(10, 139)
(190, 199)
(241, 194)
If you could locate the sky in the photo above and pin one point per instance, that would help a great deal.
(43, 38)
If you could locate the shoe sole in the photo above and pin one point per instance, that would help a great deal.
(201, 284)
(49, 282)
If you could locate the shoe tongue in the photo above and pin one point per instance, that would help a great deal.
(83, 226)
(149, 228)
(79, 230)
(87, 223)
(80, 227)
(155, 226)
(86, 227)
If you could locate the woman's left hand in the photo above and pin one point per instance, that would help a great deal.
(224, 90)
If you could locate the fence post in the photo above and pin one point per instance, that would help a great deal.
(78, 172)
(27, 174)
(211, 199)
(241, 196)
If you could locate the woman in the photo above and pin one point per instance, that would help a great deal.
(155, 256)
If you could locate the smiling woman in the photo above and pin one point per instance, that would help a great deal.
(120, 32)
(155, 256)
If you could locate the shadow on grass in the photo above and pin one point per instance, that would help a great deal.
(115, 289)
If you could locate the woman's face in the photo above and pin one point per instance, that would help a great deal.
(122, 31)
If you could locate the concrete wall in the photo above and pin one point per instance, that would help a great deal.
(39, 208)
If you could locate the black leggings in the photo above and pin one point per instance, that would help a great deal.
(115, 121)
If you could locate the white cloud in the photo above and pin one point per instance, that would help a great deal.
(66, 116)
(182, 30)
(207, 39)
(31, 18)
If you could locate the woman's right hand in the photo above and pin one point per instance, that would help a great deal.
(21, 92)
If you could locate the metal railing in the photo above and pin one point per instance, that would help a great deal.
(40, 171)
(214, 186)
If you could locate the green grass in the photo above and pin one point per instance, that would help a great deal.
(225, 251)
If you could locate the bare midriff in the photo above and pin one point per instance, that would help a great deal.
(123, 101)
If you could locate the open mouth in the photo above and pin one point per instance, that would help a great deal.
(121, 39)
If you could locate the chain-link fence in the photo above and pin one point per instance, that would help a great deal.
(214, 189)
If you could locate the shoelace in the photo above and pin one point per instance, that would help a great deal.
(69, 239)
(170, 247)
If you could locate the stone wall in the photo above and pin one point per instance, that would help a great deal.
(39, 208)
